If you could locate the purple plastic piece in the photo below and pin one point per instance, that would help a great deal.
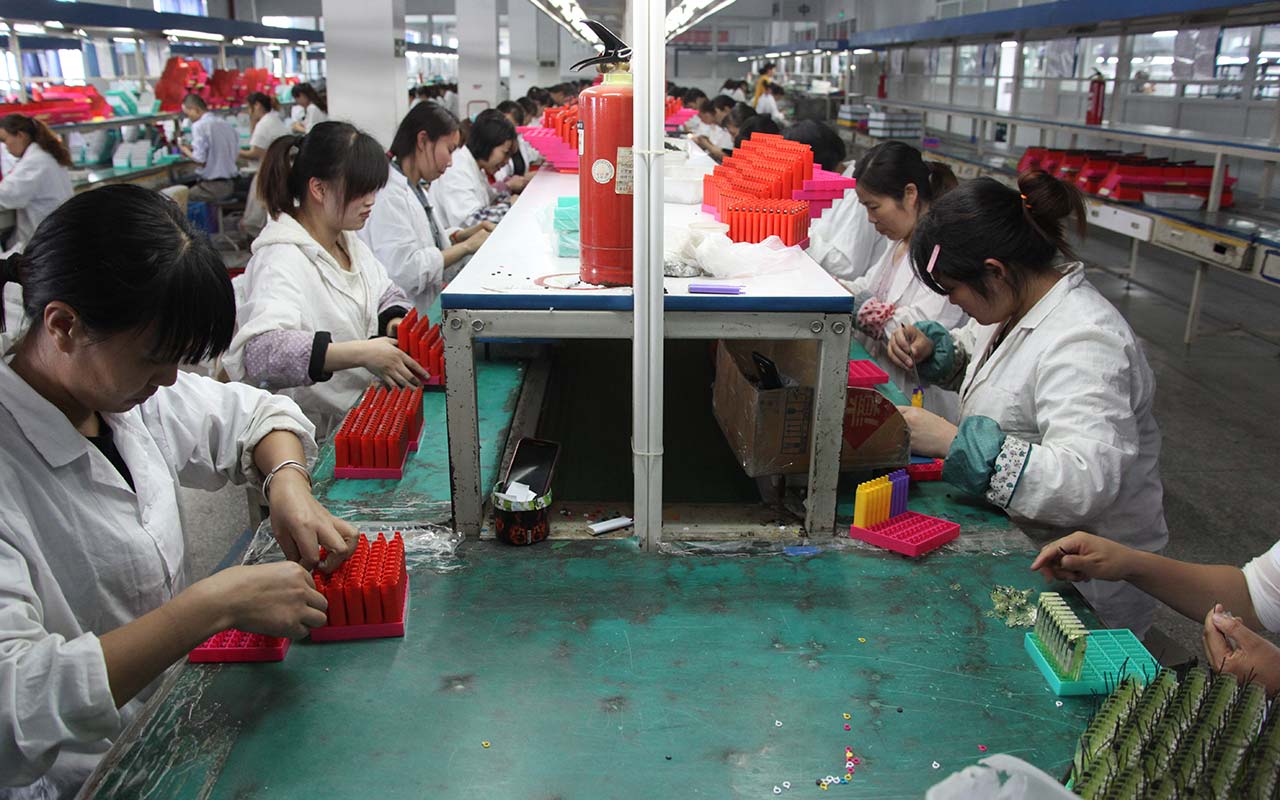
(715, 288)
(898, 499)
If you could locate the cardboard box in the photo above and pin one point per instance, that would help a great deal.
(769, 430)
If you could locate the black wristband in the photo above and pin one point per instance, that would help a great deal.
(319, 349)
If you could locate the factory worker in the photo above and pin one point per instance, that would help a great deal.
(1232, 602)
(467, 193)
(842, 240)
(98, 426)
(405, 233)
(40, 180)
(314, 108)
(763, 82)
(712, 114)
(320, 312)
(1056, 425)
(896, 187)
(768, 104)
(268, 126)
(525, 156)
(733, 89)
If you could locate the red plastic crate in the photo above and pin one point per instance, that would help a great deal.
(368, 595)
(377, 436)
(233, 646)
(866, 375)
(926, 472)
(911, 534)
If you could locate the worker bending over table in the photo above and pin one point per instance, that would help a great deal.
(1056, 425)
(467, 192)
(98, 426)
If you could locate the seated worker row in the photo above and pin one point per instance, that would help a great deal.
(98, 427)
(1056, 424)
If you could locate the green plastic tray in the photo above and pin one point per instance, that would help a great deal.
(1109, 656)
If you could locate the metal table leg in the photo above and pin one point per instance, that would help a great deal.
(828, 425)
(1193, 312)
(463, 425)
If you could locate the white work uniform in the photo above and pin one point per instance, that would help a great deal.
(843, 240)
(894, 280)
(738, 95)
(312, 117)
(767, 104)
(271, 127)
(1262, 575)
(292, 283)
(82, 554)
(718, 136)
(462, 190)
(1071, 380)
(404, 241)
(35, 186)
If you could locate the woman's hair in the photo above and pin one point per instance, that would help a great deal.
(262, 99)
(334, 152)
(768, 67)
(540, 96)
(760, 123)
(434, 120)
(1024, 229)
(675, 91)
(529, 107)
(828, 148)
(126, 259)
(39, 133)
(692, 97)
(308, 91)
(488, 132)
(722, 102)
(739, 114)
(513, 108)
(889, 167)
(193, 100)
(776, 90)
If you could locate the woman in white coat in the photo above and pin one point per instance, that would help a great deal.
(320, 311)
(896, 187)
(405, 233)
(314, 108)
(97, 428)
(40, 182)
(466, 193)
(1056, 423)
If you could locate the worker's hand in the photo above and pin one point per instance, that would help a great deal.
(931, 435)
(909, 346)
(395, 367)
(466, 233)
(1231, 647)
(1082, 556)
(302, 526)
(702, 141)
(393, 326)
(474, 241)
(298, 127)
(277, 599)
(516, 183)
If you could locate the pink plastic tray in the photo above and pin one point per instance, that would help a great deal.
(865, 374)
(235, 646)
(911, 534)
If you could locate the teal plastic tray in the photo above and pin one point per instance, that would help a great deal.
(1109, 656)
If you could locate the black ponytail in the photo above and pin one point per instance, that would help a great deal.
(1024, 229)
(889, 167)
(9, 270)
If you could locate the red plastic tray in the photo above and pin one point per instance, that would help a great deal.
(911, 534)
(379, 630)
(926, 472)
(379, 473)
(235, 646)
(866, 375)
(363, 593)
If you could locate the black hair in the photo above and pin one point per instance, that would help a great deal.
(195, 101)
(760, 123)
(39, 133)
(776, 89)
(126, 259)
(490, 131)
(722, 102)
(333, 151)
(692, 97)
(540, 96)
(739, 114)
(1023, 228)
(889, 167)
(529, 107)
(434, 120)
(828, 148)
(308, 91)
(513, 108)
(261, 99)
(768, 66)
(675, 91)
(730, 84)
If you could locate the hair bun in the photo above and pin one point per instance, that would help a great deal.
(1050, 201)
(9, 269)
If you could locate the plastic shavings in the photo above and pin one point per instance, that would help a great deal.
(848, 727)
(777, 790)
(1013, 606)
(982, 748)
(485, 745)
(847, 715)
(786, 784)
(936, 765)
(777, 723)
(1058, 704)
(862, 640)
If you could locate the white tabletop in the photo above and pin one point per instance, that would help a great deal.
(518, 269)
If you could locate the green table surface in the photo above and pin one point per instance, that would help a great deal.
(596, 671)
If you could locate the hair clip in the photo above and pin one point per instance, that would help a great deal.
(933, 259)
(1024, 201)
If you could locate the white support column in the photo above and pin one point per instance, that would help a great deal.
(364, 52)
(548, 36)
(478, 71)
(1114, 111)
(16, 49)
(522, 19)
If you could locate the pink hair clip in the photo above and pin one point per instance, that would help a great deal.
(933, 259)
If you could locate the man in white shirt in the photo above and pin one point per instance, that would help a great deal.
(214, 147)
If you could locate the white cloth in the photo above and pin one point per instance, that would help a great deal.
(294, 284)
(767, 104)
(35, 186)
(400, 236)
(215, 144)
(82, 554)
(451, 102)
(843, 240)
(894, 280)
(1071, 379)
(297, 113)
(271, 127)
(738, 95)
(1263, 577)
(312, 117)
(718, 136)
(462, 190)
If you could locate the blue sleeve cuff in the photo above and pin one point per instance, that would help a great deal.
(972, 459)
(942, 367)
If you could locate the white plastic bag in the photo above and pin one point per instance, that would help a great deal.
(1000, 777)
(720, 257)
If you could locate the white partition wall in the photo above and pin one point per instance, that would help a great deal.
(366, 82)
(478, 68)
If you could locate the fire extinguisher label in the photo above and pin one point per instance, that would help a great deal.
(602, 170)
(626, 172)
(582, 140)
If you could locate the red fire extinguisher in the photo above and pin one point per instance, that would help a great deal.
(881, 89)
(605, 164)
(1097, 95)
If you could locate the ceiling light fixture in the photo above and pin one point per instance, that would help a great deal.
(203, 36)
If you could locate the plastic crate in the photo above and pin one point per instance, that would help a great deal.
(865, 374)
(1109, 656)
(910, 534)
(926, 471)
(368, 595)
(235, 646)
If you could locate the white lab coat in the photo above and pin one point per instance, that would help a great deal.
(294, 284)
(462, 190)
(718, 136)
(894, 280)
(843, 240)
(738, 95)
(35, 186)
(81, 555)
(399, 234)
(767, 104)
(1072, 380)
(312, 117)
